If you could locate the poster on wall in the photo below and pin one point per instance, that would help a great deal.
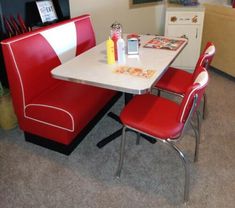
(47, 11)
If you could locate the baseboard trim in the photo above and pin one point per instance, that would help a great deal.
(222, 73)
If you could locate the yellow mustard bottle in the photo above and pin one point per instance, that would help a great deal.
(110, 51)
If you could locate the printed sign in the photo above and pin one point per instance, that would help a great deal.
(47, 11)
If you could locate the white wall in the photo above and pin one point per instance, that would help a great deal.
(140, 20)
(105, 12)
(216, 1)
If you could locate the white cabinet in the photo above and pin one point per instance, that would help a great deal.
(186, 22)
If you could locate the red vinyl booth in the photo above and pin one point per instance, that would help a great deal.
(53, 113)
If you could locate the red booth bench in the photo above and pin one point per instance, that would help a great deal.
(53, 113)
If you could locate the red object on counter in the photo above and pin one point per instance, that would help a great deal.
(115, 39)
(233, 4)
(133, 35)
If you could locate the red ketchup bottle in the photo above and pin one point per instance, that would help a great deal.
(116, 33)
(115, 39)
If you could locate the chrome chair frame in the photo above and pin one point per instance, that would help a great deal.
(206, 64)
(170, 143)
(204, 111)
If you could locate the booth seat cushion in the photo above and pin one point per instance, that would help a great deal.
(49, 109)
(80, 104)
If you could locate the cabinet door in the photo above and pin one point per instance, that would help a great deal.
(188, 57)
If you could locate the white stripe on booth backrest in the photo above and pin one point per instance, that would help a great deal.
(63, 39)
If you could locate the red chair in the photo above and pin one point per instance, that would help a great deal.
(177, 81)
(164, 120)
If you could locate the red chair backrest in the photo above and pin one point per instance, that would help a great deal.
(197, 88)
(205, 59)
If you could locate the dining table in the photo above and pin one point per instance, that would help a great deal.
(137, 75)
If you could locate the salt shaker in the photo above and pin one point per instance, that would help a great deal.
(121, 52)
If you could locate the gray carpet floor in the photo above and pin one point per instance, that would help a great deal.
(152, 176)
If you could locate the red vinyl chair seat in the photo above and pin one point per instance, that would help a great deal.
(175, 80)
(147, 113)
(165, 120)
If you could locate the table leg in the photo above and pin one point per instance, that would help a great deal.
(110, 138)
(114, 117)
(118, 133)
(127, 98)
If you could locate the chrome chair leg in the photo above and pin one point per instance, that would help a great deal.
(199, 125)
(186, 168)
(196, 149)
(197, 140)
(204, 106)
(138, 138)
(122, 152)
(197, 137)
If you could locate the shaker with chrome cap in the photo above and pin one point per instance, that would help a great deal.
(116, 30)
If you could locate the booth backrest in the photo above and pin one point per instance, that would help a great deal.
(30, 57)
